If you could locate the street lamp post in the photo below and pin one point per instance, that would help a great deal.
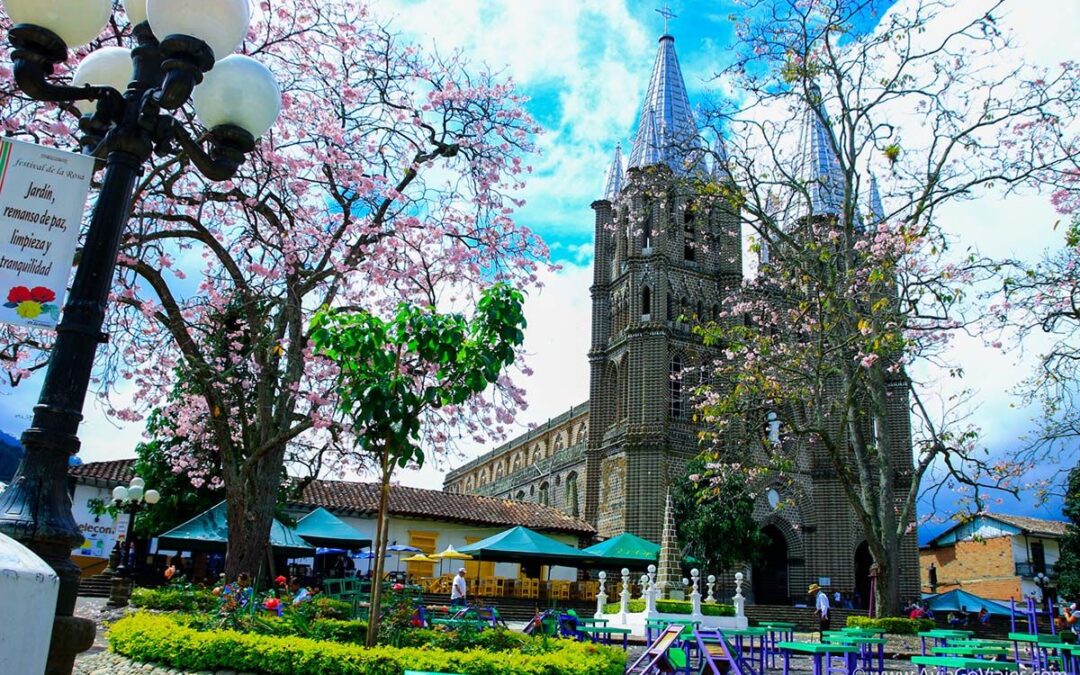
(1042, 581)
(129, 500)
(125, 97)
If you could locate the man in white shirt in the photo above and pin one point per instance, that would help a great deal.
(821, 608)
(457, 590)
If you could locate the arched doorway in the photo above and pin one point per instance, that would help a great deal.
(770, 574)
(863, 561)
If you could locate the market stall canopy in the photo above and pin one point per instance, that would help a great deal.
(520, 544)
(209, 531)
(322, 528)
(958, 600)
(626, 549)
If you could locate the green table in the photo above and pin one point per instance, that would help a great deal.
(965, 650)
(822, 654)
(940, 636)
(866, 644)
(605, 632)
(941, 663)
(753, 633)
(1032, 641)
(778, 632)
(689, 625)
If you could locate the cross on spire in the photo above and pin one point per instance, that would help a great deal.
(668, 15)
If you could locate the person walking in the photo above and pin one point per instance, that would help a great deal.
(821, 608)
(457, 590)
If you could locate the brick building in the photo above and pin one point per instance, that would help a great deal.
(665, 259)
(994, 555)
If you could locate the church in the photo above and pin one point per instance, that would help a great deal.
(662, 263)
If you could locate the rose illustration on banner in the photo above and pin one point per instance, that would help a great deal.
(30, 303)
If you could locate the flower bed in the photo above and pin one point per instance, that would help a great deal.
(174, 599)
(162, 639)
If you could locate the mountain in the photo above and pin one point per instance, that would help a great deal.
(11, 453)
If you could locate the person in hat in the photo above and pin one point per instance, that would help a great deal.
(821, 608)
(457, 590)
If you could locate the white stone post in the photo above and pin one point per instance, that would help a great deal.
(601, 597)
(711, 582)
(644, 581)
(624, 596)
(739, 601)
(695, 596)
(650, 595)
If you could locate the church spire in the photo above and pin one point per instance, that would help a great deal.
(818, 168)
(874, 206)
(614, 183)
(666, 128)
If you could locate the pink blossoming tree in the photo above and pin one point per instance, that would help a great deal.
(853, 294)
(389, 177)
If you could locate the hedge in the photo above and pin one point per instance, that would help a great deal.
(174, 599)
(637, 605)
(159, 639)
(892, 624)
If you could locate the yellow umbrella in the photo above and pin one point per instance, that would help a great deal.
(419, 558)
(450, 554)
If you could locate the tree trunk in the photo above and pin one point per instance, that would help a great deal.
(251, 500)
(887, 593)
(379, 549)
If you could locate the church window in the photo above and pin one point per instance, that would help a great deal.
(716, 312)
(646, 301)
(544, 498)
(582, 434)
(520, 496)
(700, 314)
(571, 501)
(689, 232)
(646, 225)
(675, 388)
(684, 308)
(558, 443)
(670, 309)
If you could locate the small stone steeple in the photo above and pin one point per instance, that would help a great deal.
(613, 183)
(666, 128)
(668, 571)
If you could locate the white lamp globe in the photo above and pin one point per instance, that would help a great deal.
(106, 67)
(135, 10)
(152, 497)
(221, 24)
(120, 493)
(239, 91)
(135, 493)
(138, 482)
(77, 23)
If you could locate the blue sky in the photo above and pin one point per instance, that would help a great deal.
(585, 64)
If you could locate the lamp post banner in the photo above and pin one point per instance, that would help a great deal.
(42, 195)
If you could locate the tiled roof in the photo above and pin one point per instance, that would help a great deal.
(437, 505)
(404, 501)
(1050, 528)
(116, 471)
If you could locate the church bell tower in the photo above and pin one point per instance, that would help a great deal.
(665, 257)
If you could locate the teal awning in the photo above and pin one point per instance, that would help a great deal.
(209, 531)
(522, 545)
(625, 549)
(322, 528)
(958, 600)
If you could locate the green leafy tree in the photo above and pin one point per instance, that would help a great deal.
(715, 516)
(392, 372)
(1068, 565)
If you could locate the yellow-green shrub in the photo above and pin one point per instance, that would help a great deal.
(895, 625)
(157, 638)
(637, 605)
